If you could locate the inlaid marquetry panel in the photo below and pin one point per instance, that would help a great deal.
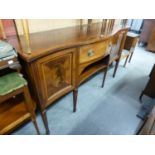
(57, 74)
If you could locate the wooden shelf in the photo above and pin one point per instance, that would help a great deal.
(4, 64)
(12, 114)
(92, 69)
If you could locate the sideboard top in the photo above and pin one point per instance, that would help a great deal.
(43, 43)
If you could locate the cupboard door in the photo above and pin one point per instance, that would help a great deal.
(55, 76)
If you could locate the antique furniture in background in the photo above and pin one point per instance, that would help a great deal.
(146, 30)
(129, 47)
(135, 25)
(7, 28)
(150, 87)
(148, 128)
(2, 32)
(151, 42)
(16, 105)
(62, 59)
(147, 35)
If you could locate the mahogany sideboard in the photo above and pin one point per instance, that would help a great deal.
(62, 59)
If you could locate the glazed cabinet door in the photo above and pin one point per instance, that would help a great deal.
(56, 75)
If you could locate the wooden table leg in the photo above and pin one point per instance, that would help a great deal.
(141, 95)
(75, 94)
(130, 57)
(28, 104)
(36, 126)
(126, 60)
(44, 118)
(116, 66)
(104, 76)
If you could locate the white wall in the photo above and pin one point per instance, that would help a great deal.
(37, 25)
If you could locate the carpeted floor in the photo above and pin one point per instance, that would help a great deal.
(105, 111)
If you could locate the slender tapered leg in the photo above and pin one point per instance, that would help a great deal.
(116, 66)
(44, 117)
(130, 57)
(29, 107)
(33, 118)
(35, 125)
(75, 94)
(140, 98)
(126, 61)
(104, 76)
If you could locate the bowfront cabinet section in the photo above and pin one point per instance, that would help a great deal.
(91, 58)
(56, 75)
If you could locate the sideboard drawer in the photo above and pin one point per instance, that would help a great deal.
(93, 51)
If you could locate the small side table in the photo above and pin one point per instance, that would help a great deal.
(129, 47)
(15, 103)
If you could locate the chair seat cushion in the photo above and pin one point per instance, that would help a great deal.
(11, 82)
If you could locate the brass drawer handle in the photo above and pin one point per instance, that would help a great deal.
(90, 53)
